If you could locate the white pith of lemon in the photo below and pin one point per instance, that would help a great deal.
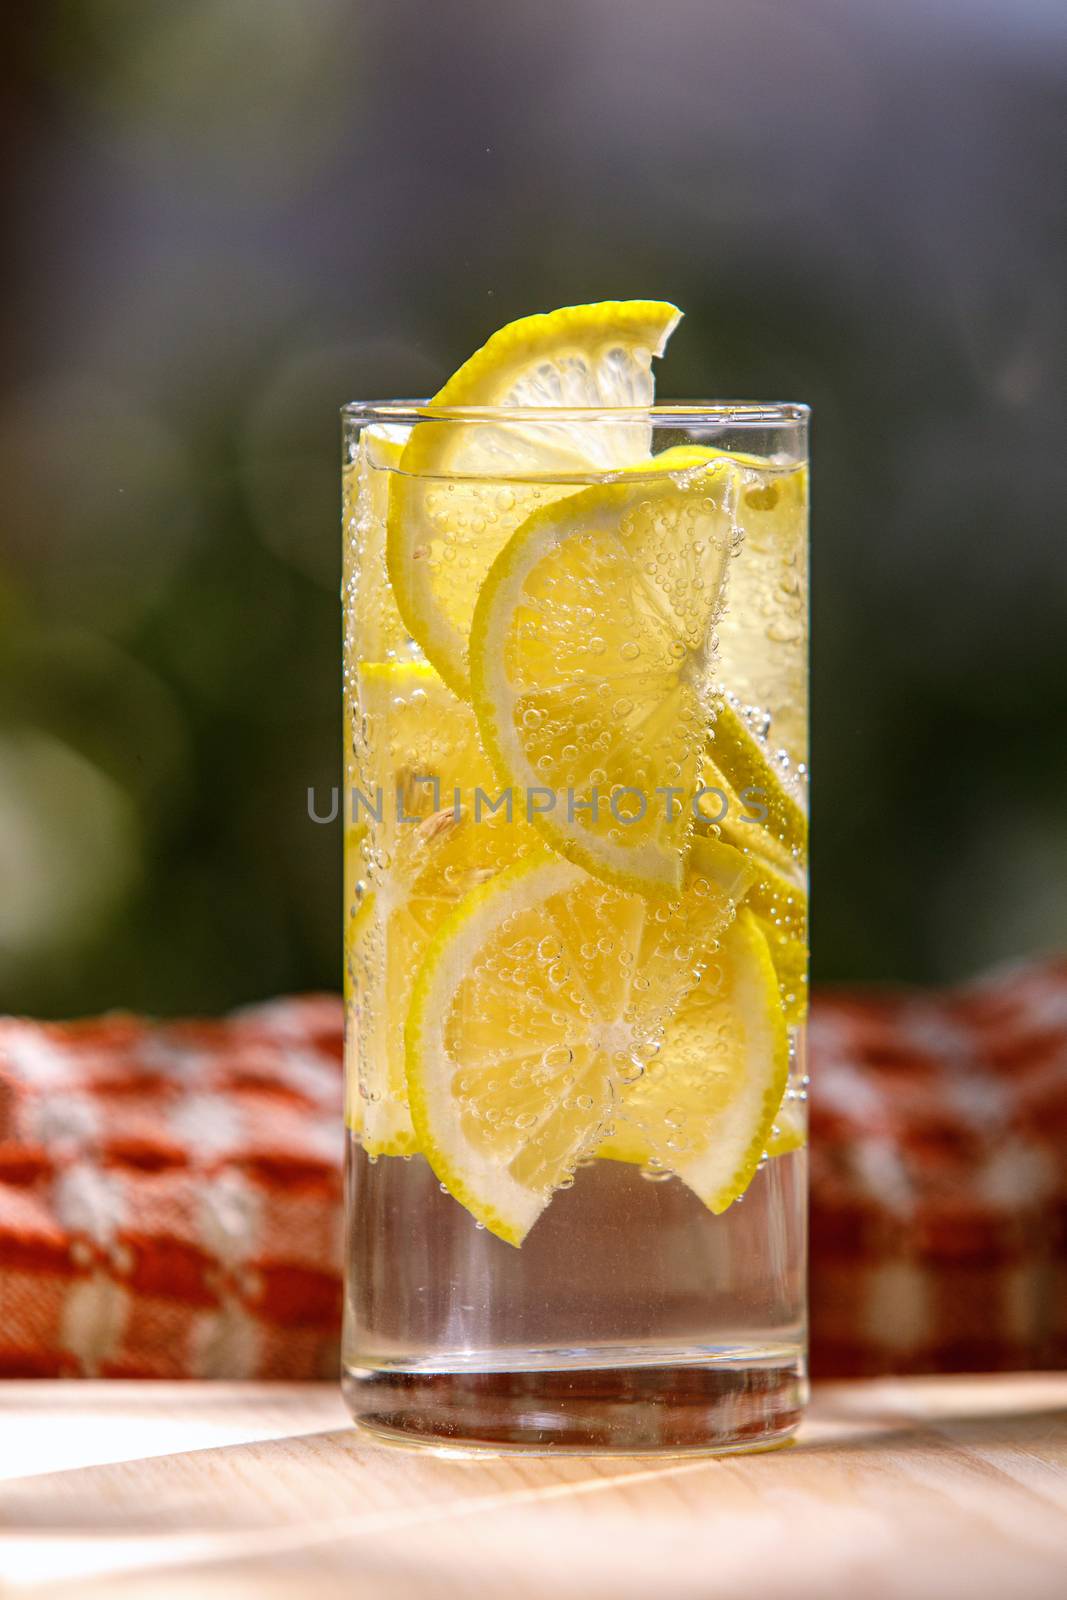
(590, 667)
(539, 998)
(464, 485)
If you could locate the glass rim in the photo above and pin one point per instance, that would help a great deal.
(663, 414)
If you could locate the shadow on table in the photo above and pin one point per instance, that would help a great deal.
(846, 1426)
(330, 1513)
(181, 1500)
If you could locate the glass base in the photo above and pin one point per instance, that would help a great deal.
(713, 1407)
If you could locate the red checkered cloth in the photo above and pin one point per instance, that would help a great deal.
(170, 1194)
(939, 1177)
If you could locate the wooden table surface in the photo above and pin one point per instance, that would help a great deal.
(925, 1487)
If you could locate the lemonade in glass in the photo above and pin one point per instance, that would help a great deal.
(575, 738)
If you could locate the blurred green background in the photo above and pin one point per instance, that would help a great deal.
(226, 217)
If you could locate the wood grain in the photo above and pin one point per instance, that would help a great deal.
(919, 1488)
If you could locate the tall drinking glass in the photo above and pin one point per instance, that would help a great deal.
(575, 740)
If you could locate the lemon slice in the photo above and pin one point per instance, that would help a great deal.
(590, 650)
(778, 906)
(541, 996)
(460, 494)
(405, 728)
(411, 853)
(384, 444)
(762, 634)
(755, 799)
(779, 903)
(432, 867)
(705, 1106)
(790, 958)
(790, 1131)
(374, 629)
(390, 708)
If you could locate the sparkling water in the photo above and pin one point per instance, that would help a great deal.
(630, 1317)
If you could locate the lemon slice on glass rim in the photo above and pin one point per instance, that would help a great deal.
(464, 484)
